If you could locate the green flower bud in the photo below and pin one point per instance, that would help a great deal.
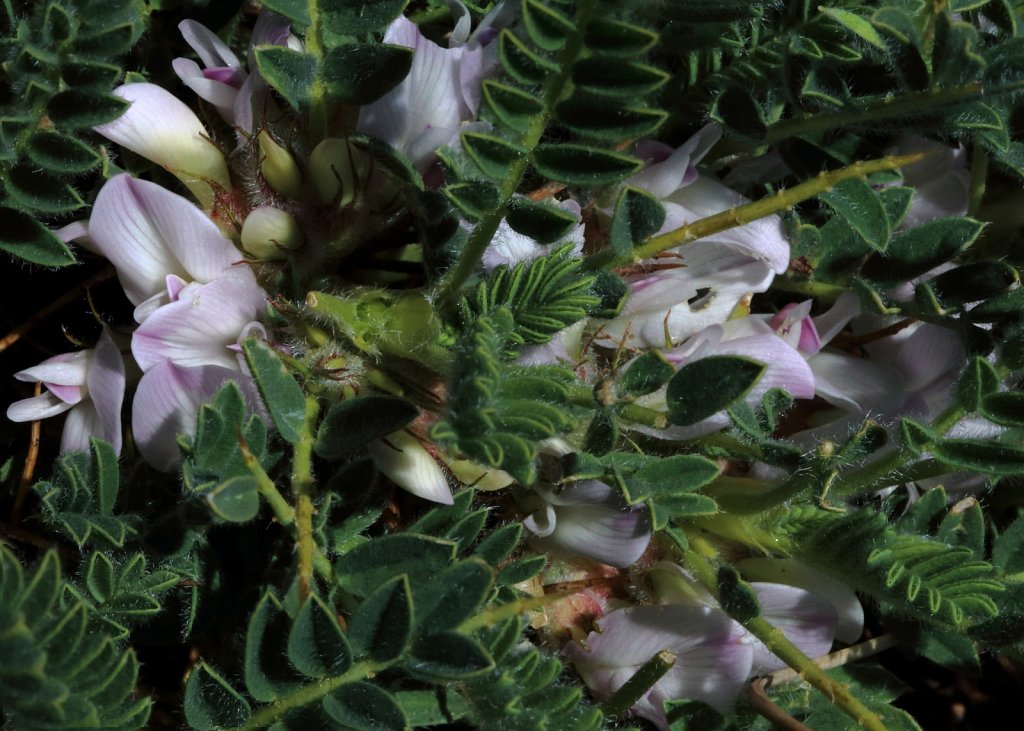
(269, 233)
(336, 170)
(279, 168)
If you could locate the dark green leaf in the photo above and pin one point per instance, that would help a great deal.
(738, 109)
(282, 395)
(521, 570)
(316, 645)
(78, 73)
(616, 78)
(296, 10)
(474, 199)
(857, 25)
(493, 155)
(235, 500)
(546, 27)
(361, 73)
(381, 628)
(1008, 550)
(351, 423)
(582, 165)
(670, 476)
(510, 105)
(452, 596)
(76, 109)
(991, 458)
(978, 380)
(499, 543)
(61, 153)
(596, 119)
(365, 706)
(1006, 408)
(41, 191)
(265, 668)
(916, 436)
(614, 38)
(210, 701)
(964, 525)
(356, 17)
(522, 64)
(372, 564)
(975, 281)
(694, 716)
(1002, 305)
(26, 238)
(638, 215)
(920, 249)
(290, 73)
(709, 385)
(737, 597)
(542, 222)
(449, 656)
(860, 206)
(602, 433)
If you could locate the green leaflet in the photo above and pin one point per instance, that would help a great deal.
(704, 387)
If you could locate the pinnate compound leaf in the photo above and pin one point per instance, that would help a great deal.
(211, 702)
(381, 628)
(356, 17)
(317, 647)
(365, 706)
(704, 387)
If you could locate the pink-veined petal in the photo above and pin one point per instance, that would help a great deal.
(167, 402)
(148, 233)
(857, 385)
(807, 620)
(66, 369)
(81, 424)
(610, 535)
(106, 382)
(200, 326)
(831, 323)
(787, 571)
(665, 177)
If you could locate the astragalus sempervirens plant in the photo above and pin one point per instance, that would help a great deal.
(517, 365)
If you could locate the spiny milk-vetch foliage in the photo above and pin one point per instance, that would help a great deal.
(532, 364)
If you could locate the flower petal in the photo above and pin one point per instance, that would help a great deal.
(669, 175)
(148, 232)
(106, 381)
(200, 326)
(167, 402)
(855, 384)
(404, 460)
(214, 91)
(614, 536)
(211, 49)
(807, 620)
(161, 128)
(81, 424)
(66, 369)
(38, 407)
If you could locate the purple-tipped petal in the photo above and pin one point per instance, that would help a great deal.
(161, 128)
(210, 49)
(613, 536)
(148, 233)
(666, 176)
(66, 369)
(38, 407)
(199, 328)
(167, 402)
(831, 323)
(217, 92)
(807, 620)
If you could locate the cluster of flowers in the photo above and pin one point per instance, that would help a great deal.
(196, 298)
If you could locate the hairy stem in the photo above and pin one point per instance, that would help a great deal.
(304, 486)
(749, 212)
(480, 239)
(781, 647)
(637, 686)
(318, 91)
(268, 715)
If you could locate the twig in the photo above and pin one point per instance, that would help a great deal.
(766, 707)
(29, 469)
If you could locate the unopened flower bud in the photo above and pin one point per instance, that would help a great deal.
(336, 170)
(279, 168)
(269, 233)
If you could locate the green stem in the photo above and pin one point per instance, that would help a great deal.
(749, 212)
(318, 91)
(808, 288)
(304, 486)
(268, 715)
(484, 232)
(584, 396)
(781, 647)
(284, 512)
(885, 108)
(642, 681)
